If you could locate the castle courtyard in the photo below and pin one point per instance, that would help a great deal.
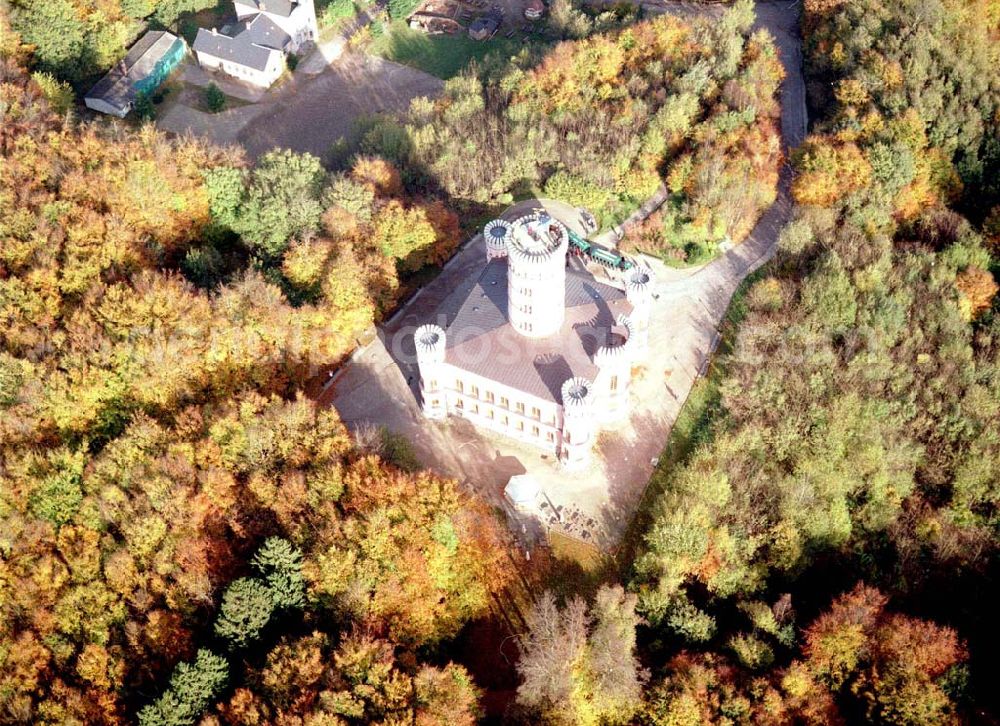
(380, 387)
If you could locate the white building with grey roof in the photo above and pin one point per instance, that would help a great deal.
(146, 65)
(254, 49)
(535, 347)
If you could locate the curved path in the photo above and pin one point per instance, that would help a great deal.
(379, 385)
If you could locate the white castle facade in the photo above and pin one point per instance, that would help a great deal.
(536, 348)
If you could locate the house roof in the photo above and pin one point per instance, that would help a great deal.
(117, 86)
(481, 340)
(236, 49)
(263, 31)
(283, 8)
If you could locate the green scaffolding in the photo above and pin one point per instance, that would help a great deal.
(161, 70)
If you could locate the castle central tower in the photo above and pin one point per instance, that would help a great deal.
(536, 275)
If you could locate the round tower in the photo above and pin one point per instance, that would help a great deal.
(614, 361)
(639, 293)
(429, 341)
(497, 234)
(536, 275)
(578, 423)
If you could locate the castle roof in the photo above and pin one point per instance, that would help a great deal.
(481, 340)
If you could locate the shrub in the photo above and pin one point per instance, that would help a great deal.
(57, 93)
(399, 9)
(58, 498)
(215, 99)
(336, 11)
(751, 651)
(691, 623)
(143, 108)
(203, 266)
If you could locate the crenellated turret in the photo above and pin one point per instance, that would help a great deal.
(614, 361)
(429, 341)
(497, 234)
(639, 293)
(578, 423)
(536, 275)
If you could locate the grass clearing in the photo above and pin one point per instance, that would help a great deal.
(443, 56)
(577, 567)
(571, 549)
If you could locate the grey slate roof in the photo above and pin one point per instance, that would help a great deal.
(239, 49)
(480, 340)
(263, 31)
(116, 87)
(278, 7)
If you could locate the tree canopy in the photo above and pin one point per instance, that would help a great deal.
(605, 120)
(851, 433)
(170, 500)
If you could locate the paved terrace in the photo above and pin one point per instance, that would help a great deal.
(379, 387)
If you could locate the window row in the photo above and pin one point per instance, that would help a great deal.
(536, 412)
(505, 420)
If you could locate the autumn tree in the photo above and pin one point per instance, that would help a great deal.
(281, 201)
(894, 664)
(578, 666)
(977, 289)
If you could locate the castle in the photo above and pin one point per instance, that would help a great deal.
(536, 348)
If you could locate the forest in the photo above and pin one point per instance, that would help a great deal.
(827, 551)
(186, 538)
(182, 529)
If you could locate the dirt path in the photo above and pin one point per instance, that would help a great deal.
(311, 113)
(378, 387)
(312, 109)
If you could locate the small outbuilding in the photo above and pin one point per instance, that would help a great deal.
(484, 27)
(146, 65)
(534, 9)
(522, 492)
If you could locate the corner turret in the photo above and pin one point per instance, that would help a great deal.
(578, 424)
(614, 361)
(639, 293)
(497, 234)
(429, 341)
